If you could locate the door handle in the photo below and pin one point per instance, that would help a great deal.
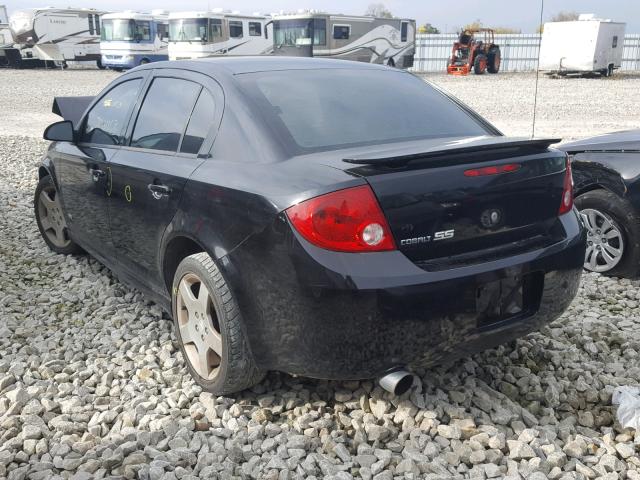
(96, 174)
(159, 191)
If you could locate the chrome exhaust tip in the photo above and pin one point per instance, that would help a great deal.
(397, 381)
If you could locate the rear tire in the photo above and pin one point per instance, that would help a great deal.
(625, 219)
(209, 328)
(50, 218)
(479, 64)
(494, 60)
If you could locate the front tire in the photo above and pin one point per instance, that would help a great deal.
(50, 218)
(613, 234)
(209, 328)
(480, 64)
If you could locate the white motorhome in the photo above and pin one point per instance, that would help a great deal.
(583, 46)
(129, 39)
(57, 34)
(387, 41)
(6, 37)
(207, 34)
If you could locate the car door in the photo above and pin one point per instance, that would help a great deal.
(83, 168)
(176, 121)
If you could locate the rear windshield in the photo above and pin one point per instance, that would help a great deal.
(311, 110)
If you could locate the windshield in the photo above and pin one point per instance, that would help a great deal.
(311, 110)
(297, 32)
(125, 30)
(195, 30)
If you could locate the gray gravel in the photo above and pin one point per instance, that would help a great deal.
(92, 383)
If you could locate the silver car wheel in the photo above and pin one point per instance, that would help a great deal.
(52, 219)
(605, 243)
(198, 326)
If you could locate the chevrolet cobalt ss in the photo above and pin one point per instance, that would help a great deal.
(320, 217)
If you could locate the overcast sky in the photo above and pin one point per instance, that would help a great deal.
(447, 15)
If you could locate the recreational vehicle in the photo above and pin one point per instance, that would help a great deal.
(55, 34)
(128, 39)
(207, 34)
(387, 41)
(583, 46)
(6, 38)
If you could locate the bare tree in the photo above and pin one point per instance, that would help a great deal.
(564, 17)
(561, 17)
(428, 28)
(378, 10)
(478, 24)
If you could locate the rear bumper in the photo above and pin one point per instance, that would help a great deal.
(325, 314)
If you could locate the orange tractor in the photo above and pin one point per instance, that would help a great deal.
(472, 52)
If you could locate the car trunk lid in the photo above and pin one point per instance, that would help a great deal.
(468, 200)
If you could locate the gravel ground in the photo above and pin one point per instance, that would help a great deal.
(92, 383)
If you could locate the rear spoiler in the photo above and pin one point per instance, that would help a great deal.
(479, 146)
(71, 108)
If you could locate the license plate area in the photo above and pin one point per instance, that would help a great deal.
(508, 298)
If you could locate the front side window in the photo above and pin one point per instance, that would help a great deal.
(92, 30)
(164, 114)
(188, 30)
(106, 123)
(235, 29)
(163, 30)
(404, 28)
(297, 32)
(97, 18)
(142, 31)
(313, 110)
(319, 31)
(215, 30)
(341, 32)
(200, 124)
(255, 29)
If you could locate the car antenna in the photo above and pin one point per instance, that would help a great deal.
(535, 95)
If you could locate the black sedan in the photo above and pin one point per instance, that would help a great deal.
(319, 217)
(606, 172)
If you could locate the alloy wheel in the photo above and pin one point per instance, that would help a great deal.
(51, 217)
(198, 324)
(605, 243)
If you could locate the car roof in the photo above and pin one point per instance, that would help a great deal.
(250, 64)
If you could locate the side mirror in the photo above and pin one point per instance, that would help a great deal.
(59, 132)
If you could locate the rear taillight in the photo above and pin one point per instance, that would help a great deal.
(567, 190)
(348, 220)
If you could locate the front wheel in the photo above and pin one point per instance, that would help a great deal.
(209, 328)
(50, 218)
(613, 234)
(480, 64)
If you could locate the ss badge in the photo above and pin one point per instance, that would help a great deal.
(445, 234)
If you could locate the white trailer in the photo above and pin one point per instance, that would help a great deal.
(129, 38)
(56, 34)
(583, 46)
(208, 34)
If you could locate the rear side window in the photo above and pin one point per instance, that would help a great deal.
(312, 110)
(235, 29)
(200, 124)
(107, 121)
(255, 29)
(164, 114)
